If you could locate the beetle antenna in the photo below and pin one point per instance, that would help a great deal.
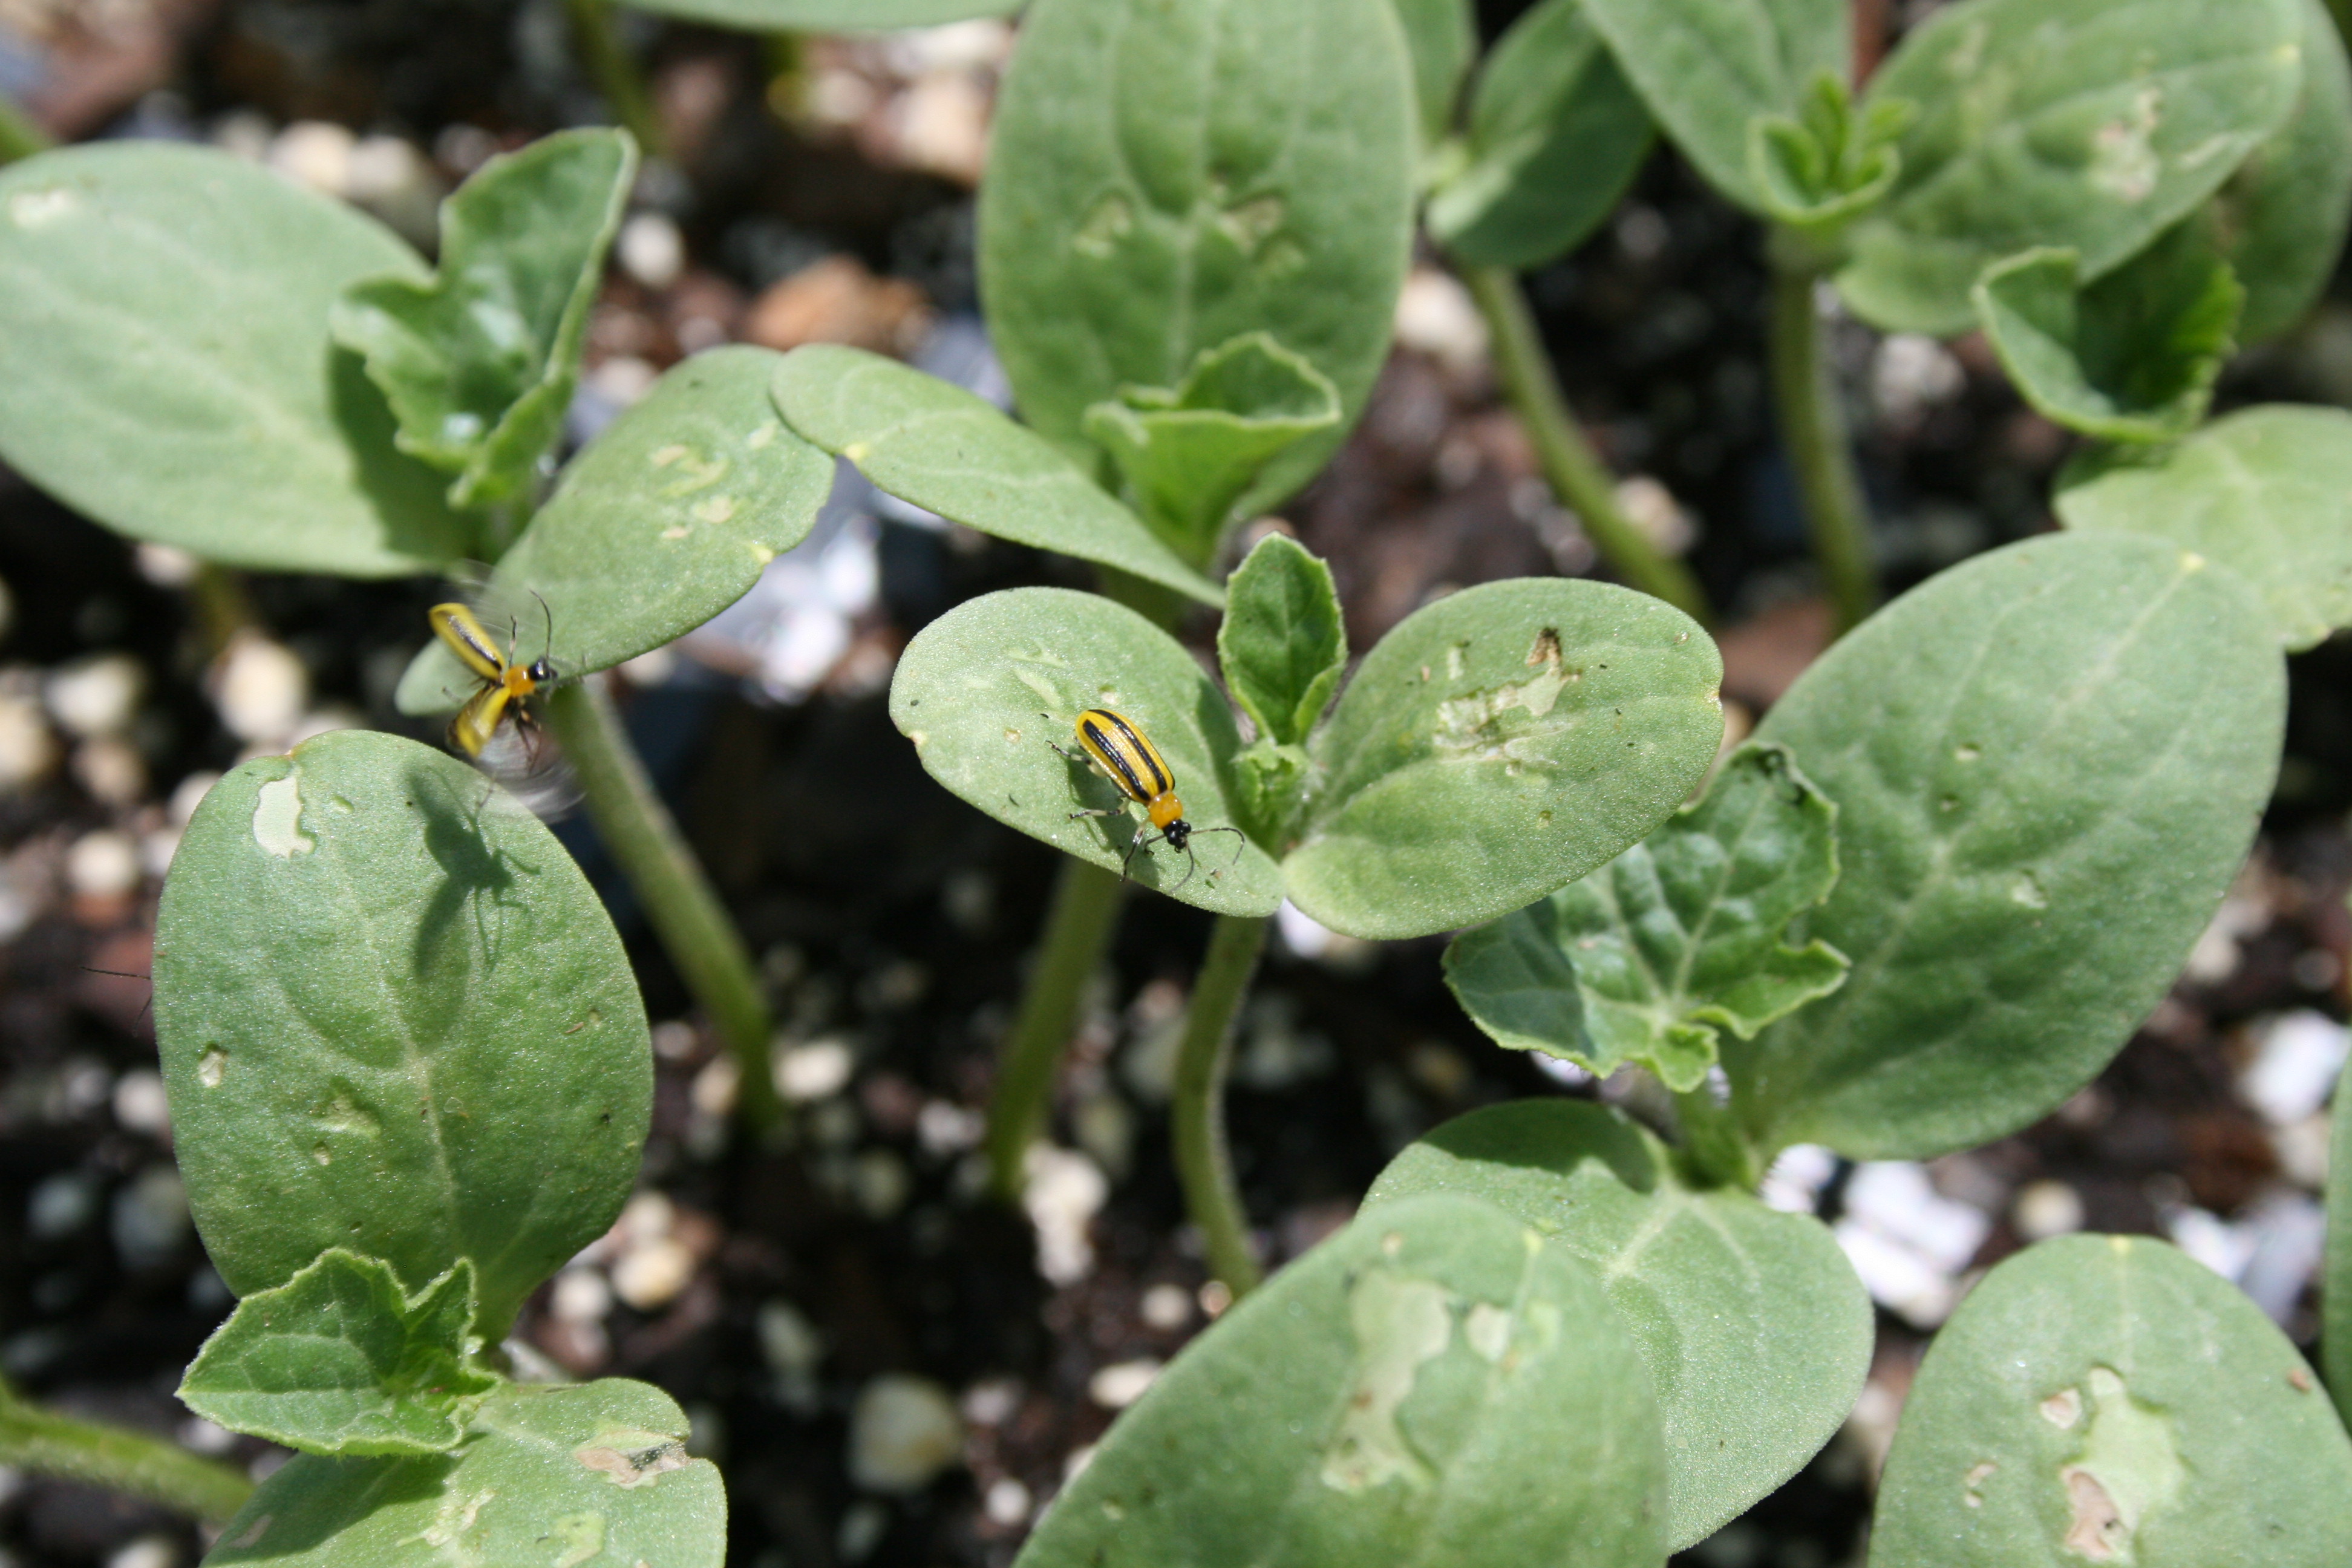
(547, 650)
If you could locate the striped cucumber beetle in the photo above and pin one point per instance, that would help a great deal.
(1133, 762)
(505, 681)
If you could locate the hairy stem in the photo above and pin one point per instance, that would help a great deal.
(1203, 1167)
(47, 1444)
(1812, 425)
(1575, 472)
(20, 137)
(616, 75)
(679, 902)
(1078, 926)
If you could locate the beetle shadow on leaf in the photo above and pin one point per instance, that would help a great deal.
(319, 1498)
(409, 499)
(1554, 1135)
(478, 878)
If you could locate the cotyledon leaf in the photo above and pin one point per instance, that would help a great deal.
(991, 691)
(165, 367)
(1497, 744)
(2281, 218)
(341, 1359)
(1433, 1384)
(2094, 125)
(2265, 491)
(1755, 1329)
(393, 1017)
(936, 445)
(666, 519)
(2106, 1399)
(1164, 178)
(2049, 762)
(566, 1477)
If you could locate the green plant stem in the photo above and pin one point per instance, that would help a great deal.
(1203, 1167)
(1078, 925)
(1575, 472)
(1812, 425)
(616, 74)
(679, 902)
(47, 1444)
(1715, 1151)
(19, 136)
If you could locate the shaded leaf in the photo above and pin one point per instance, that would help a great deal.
(1189, 454)
(595, 1473)
(1450, 1390)
(393, 1017)
(2090, 125)
(2106, 1399)
(2048, 764)
(1282, 644)
(1706, 68)
(665, 520)
(2281, 219)
(165, 365)
(1443, 37)
(480, 363)
(990, 690)
(1754, 1329)
(1680, 935)
(2134, 356)
(938, 446)
(1556, 135)
(1163, 179)
(341, 1359)
(2266, 492)
(1497, 744)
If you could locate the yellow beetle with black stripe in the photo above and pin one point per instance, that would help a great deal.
(1133, 762)
(505, 681)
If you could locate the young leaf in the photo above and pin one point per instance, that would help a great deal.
(1680, 935)
(2281, 219)
(827, 16)
(2131, 358)
(480, 363)
(2336, 1275)
(1282, 644)
(2266, 492)
(1449, 1390)
(939, 446)
(1823, 167)
(165, 367)
(668, 517)
(1189, 455)
(2105, 1399)
(1162, 179)
(393, 1017)
(341, 1359)
(1756, 1332)
(1709, 67)
(1556, 135)
(991, 691)
(2094, 125)
(1501, 744)
(2048, 764)
(1442, 39)
(592, 1473)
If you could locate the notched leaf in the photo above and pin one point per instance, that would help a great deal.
(341, 1359)
(479, 364)
(1680, 935)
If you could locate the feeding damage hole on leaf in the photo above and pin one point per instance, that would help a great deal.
(210, 1065)
(1480, 722)
(250, 1533)
(582, 1536)
(1110, 220)
(695, 471)
(277, 818)
(1976, 1478)
(2123, 161)
(2130, 1469)
(632, 1458)
(1400, 1322)
(38, 209)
